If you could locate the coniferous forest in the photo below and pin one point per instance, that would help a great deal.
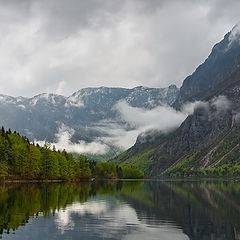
(22, 159)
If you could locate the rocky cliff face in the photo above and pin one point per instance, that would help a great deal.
(223, 61)
(195, 143)
(210, 123)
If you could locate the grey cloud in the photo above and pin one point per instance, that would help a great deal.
(138, 122)
(58, 44)
(224, 10)
(221, 103)
(63, 141)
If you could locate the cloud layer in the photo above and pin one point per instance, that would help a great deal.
(61, 46)
(63, 141)
(122, 134)
(134, 122)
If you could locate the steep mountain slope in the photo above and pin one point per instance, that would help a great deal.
(209, 136)
(41, 117)
(220, 152)
(211, 123)
(221, 63)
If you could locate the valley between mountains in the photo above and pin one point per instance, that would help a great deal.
(176, 132)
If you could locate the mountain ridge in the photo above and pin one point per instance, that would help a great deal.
(41, 116)
(216, 84)
(221, 63)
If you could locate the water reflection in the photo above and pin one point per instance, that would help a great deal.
(121, 210)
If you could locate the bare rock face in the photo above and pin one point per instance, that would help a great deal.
(223, 61)
(214, 123)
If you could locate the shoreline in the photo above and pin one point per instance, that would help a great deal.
(193, 179)
(42, 180)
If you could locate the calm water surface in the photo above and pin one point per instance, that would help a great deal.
(121, 210)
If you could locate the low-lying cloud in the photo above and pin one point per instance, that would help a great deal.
(131, 122)
(63, 141)
(139, 120)
(221, 103)
(123, 132)
(160, 119)
(163, 118)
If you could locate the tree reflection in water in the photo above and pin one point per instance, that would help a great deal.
(114, 210)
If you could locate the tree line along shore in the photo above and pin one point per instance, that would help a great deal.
(21, 159)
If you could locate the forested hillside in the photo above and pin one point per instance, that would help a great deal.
(21, 159)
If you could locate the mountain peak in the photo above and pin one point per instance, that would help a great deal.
(172, 86)
(234, 35)
(223, 61)
(46, 97)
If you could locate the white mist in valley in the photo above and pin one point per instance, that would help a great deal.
(133, 121)
(63, 141)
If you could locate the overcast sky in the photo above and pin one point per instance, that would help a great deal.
(61, 46)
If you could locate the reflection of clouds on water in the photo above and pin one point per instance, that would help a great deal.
(64, 216)
(165, 211)
(123, 215)
(103, 219)
(64, 221)
(157, 233)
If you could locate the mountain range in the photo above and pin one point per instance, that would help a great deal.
(207, 142)
(85, 115)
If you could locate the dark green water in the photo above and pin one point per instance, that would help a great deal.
(121, 210)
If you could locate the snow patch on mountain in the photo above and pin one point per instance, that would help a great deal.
(7, 99)
(95, 121)
(235, 34)
(73, 101)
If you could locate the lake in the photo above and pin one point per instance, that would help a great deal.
(131, 210)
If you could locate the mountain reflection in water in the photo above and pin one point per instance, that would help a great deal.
(198, 210)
